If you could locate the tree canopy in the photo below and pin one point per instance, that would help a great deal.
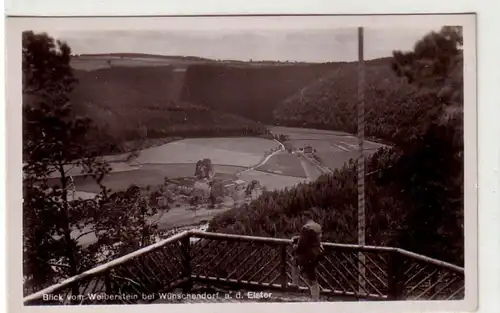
(55, 142)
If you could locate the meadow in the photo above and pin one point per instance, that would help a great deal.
(271, 181)
(237, 151)
(334, 149)
(284, 163)
(149, 175)
(97, 61)
(175, 159)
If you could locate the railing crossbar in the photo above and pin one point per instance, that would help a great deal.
(325, 280)
(133, 285)
(332, 277)
(276, 255)
(173, 256)
(410, 268)
(407, 282)
(221, 252)
(174, 261)
(363, 276)
(137, 278)
(340, 273)
(148, 280)
(243, 262)
(301, 279)
(83, 291)
(241, 248)
(432, 286)
(276, 277)
(259, 259)
(422, 281)
(376, 265)
(161, 265)
(223, 258)
(456, 292)
(349, 272)
(203, 256)
(270, 271)
(427, 259)
(165, 265)
(374, 275)
(205, 244)
(448, 284)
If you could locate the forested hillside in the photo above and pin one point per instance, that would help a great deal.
(414, 197)
(249, 91)
(393, 107)
(136, 103)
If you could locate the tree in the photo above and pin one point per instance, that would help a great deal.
(55, 144)
(216, 193)
(436, 61)
(430, 170)
(123, 224)
(253, 186)
(204, 169)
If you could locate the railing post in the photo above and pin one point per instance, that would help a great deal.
(395, 276)
(186, 260)
(283, 263)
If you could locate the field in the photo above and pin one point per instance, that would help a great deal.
(240, 151)
(284, 163)
(91, 64)
(333, 148)
(312, 172)
(178, 159)
(231, 156)
(148, 174)
(97, 61)
(271, 181)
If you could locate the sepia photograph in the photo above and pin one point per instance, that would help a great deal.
(246, 160)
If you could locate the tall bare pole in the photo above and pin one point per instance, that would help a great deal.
(361, 158)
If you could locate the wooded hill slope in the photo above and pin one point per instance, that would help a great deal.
(414, 196)
(247, 90)
(137, 103)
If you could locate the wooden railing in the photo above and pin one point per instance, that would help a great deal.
(244, 262)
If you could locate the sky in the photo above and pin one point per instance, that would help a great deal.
(306, 45)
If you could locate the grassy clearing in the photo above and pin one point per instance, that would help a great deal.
(271, 181)
(149, 174)
(333, 148)
(224, 151)
(297, 133)
(92, 62)
(311, 170)
(284, 164)
(241, 144)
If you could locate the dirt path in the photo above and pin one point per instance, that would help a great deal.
(264, 161)
(309, 176)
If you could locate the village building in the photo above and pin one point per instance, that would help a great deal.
(308, 149)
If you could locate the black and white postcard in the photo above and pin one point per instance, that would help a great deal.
(258, 160)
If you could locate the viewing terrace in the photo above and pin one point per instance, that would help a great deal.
(195, 262)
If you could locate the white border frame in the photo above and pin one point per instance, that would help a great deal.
(489, 160)
(205, 7)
